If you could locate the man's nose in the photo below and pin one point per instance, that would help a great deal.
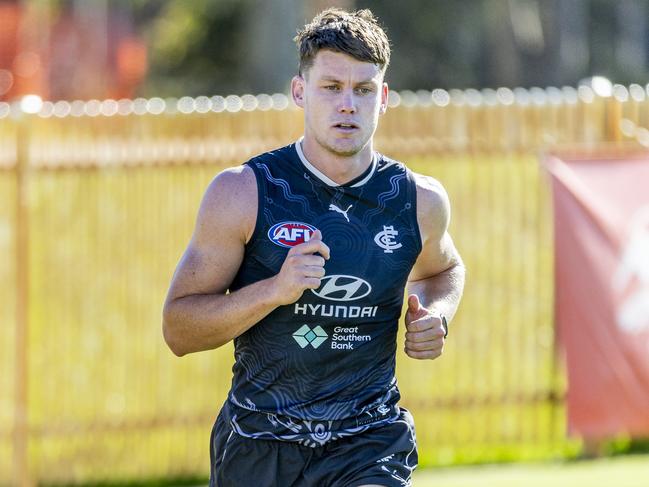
(347, 102)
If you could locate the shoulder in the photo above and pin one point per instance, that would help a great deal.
(232, 181)
(433, 206)
(236, 188)
(230, 201)
(231, 187)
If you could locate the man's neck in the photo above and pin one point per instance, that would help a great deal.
(340, 169)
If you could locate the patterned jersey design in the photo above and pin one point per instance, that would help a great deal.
(323, 367)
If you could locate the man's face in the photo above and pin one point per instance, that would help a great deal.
(342, 99)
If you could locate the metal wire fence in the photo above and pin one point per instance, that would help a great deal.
(97, 202)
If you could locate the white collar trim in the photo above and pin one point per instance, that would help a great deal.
(323, 177)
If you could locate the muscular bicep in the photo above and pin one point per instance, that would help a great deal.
(438, 252)
(225, 221)
(437, 256)
(207, 269)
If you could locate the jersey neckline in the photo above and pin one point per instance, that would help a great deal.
(354, 183)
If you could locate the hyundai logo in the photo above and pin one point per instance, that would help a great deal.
(342, 288)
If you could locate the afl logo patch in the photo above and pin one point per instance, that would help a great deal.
(290, 234)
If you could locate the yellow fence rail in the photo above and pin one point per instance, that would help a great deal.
(98, 200)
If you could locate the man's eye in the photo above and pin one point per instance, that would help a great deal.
(331, 87)
(364, 91)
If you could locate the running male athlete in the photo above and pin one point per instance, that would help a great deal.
(301, 256)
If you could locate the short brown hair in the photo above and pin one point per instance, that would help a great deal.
(357, 34)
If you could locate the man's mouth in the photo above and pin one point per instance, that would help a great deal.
(346, 126)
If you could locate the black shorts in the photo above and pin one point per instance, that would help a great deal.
(385, 455)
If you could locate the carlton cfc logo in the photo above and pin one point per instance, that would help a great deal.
(290, 234)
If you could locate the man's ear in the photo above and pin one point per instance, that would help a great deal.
(297, 90)
(384, 98)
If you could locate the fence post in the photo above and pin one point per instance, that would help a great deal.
(21, 424)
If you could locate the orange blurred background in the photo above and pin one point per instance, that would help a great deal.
(77, 50)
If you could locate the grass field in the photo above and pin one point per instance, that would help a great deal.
(621, 471)
(629, 470)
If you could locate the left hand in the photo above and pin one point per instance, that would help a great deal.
(425, 332)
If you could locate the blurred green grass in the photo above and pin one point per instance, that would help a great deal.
(623, 471)
(618, 471)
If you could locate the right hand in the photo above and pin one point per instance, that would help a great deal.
(302, 269)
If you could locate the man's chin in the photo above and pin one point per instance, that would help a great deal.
(351, 148)
(344, 153)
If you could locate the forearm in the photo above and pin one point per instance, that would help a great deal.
(442, 291)
(206, 321)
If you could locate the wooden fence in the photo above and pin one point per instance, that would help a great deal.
(98, 200)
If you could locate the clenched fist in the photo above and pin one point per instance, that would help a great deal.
(425, 331)
(302, 269)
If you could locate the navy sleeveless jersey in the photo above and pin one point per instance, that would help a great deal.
(324, 367)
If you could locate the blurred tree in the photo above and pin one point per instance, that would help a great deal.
(633, 40)
(574, 54)
(434, 42)
(195, 47)
(270, 59)
(230, 46)
(224, 46)
(491, 43)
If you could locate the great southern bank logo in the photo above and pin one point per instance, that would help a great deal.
(290, 234)
(305, 336)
